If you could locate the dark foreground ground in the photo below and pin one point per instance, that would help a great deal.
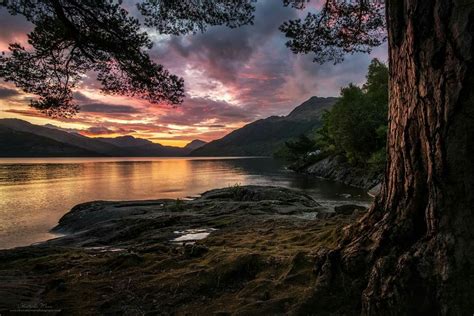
(129, 258)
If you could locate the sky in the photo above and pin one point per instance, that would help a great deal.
(232, 77)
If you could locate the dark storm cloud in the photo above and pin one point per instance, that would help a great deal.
(6, 93)
(249, 67)
(102, 130)
(256, 66)
(223, 52)
(81, 97)
(108, 108)
(99, 130)
(210, 126)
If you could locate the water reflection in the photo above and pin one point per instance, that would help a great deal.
(35, 193)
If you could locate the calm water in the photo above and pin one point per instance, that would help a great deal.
(35, 193)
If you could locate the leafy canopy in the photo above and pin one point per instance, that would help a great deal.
(339, 28)
(297, 149)
(72, 40)
(357, 124)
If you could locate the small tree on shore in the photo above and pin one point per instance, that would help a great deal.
(356, 126)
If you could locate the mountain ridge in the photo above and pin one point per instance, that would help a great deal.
(23, 144)
(19, 138)
(263, 137)
(259, 138)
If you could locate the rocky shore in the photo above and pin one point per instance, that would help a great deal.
(241, 250)
(336, 168)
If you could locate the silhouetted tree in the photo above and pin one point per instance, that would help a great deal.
(181, 17)
(73, 39)
(339, 28)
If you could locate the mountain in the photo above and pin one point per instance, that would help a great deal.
(312, 109)
(265, 136)
(138, 147)
(19, 138)
(126, 141)
(195, 144)
(260, 138)
(23, 144)
(72, 139)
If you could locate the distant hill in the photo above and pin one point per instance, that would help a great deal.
(265, 136)
(260, 138)
(312, 109)
(22, 144)
(71, 139)
(19, 138)
(138, 147)
(195, 144)
(125, 141)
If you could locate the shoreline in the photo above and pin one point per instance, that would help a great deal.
(335, 168)
(258, 239)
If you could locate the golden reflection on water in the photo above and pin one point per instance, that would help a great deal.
(35, 193)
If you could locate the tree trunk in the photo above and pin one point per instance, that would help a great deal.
(413, 253)
(425, 214)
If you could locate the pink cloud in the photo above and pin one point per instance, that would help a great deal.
(232, 77)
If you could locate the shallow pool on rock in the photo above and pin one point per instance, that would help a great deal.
(192, 234)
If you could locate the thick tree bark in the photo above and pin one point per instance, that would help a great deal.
(425, 244)
(413, 253)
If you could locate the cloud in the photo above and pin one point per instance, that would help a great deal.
(94, 130)
(108, 108)
(14, 29)
(223, 52)
(25, 112)
(232, 77)
(6, 93)
(197, 111)
(97, 130)
(81, 97)
(251, 66)
(64, 129)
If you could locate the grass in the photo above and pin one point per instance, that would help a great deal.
(266, 266)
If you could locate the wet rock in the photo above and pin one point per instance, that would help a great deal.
(338, 169)
(349, 209)
(138, 223)
(120, 257)
(253, 193)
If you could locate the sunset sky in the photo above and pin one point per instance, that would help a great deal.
(232, 77)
